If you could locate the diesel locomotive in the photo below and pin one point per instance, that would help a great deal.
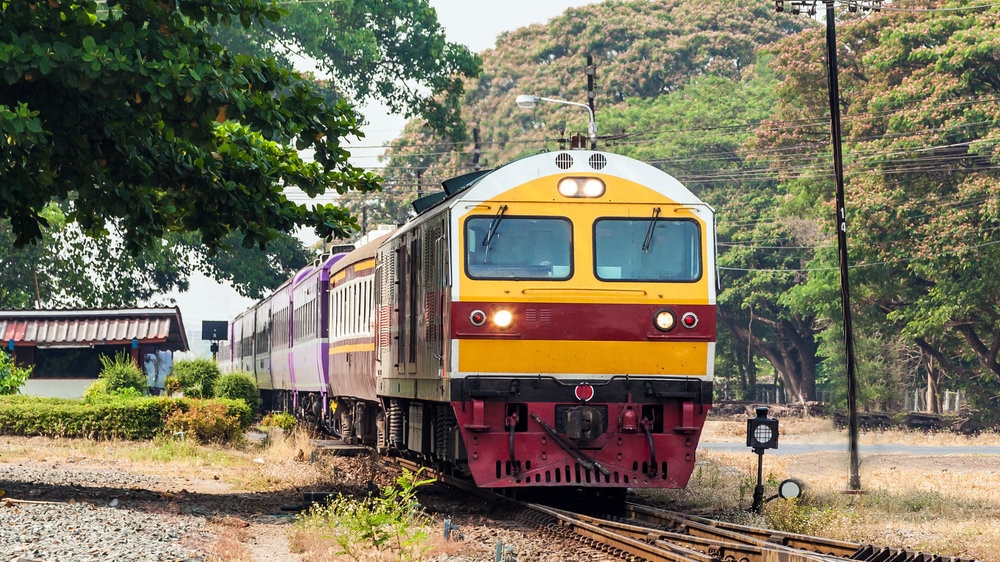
(547, 323)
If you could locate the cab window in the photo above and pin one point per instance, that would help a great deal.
(505, 247)
(647, 249)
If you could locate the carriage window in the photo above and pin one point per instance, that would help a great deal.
(505, 247)
(647, 249)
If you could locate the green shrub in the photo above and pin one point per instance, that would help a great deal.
(122, 375)
(197, 377)
(112, 417)
(96, 392)
(123, 417)
(171, 385)
(282, 420)
(205, 421)
(239, 386)
(12, 377)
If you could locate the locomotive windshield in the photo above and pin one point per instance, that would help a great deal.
(518, 248)
(648, 249)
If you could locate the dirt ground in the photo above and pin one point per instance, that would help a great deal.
(930, 492)
(942, 503)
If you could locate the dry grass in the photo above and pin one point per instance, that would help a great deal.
(944, 504)
(230, 541)
(315, 547)
(279, 463)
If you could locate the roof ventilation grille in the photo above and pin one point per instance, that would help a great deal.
(564, 161)
(598, 161)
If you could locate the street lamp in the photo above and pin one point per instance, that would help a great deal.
(528, 101)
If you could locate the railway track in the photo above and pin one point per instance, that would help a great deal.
(655, 534)
(641, 532)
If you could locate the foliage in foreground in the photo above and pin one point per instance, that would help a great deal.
(122, 417)
(137, 119)
(12, 377)
(281, 420)
(197, 377)
(391, 522)
(240, 385)
(122, 375)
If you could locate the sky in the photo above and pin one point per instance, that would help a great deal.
(474, 24)
(471, 23)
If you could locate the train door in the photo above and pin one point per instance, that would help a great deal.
(408, 311)
(433, 298)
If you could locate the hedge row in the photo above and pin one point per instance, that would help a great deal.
(136, 418)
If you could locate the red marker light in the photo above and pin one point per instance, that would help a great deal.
(477, 317)
(689, 320)
(584, 392)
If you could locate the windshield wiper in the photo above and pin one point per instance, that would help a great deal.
(649, 233)
(492, 230)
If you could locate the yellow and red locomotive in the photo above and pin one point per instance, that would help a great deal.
(551, 323)
(548, 323)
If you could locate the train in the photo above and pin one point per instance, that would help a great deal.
(547, 323)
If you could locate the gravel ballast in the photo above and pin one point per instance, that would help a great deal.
(54, 513)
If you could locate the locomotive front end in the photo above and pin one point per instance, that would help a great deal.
(581, 323)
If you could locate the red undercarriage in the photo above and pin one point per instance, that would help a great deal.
(619, 456)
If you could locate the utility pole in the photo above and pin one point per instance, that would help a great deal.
(591, 76)
(833, 80)
(477, 149)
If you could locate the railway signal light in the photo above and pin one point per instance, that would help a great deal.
(762, 433)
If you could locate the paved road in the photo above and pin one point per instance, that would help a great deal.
(807, 448)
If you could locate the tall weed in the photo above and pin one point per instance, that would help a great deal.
(391, 524)
(122, 376)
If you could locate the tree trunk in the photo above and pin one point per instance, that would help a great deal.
(794, 358)
(932, 396)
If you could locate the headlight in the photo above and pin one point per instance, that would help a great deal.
(503, 318)
(581, 187)
(664, 320)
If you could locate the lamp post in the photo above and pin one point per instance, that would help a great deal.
(528, 101)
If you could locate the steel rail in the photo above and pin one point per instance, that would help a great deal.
(710, 528)
(720, 530)
(660, 535)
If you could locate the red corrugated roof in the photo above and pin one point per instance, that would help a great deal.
(93, 327)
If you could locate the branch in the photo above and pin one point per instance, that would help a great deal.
(943, 361)
(987, 358)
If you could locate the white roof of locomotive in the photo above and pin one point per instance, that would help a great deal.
(582, 162)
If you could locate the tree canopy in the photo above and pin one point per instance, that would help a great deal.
(172, 134)
(392, 51)
(920, 122)
(66, 268)
(133, 114)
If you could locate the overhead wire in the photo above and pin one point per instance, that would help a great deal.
(815, 166)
